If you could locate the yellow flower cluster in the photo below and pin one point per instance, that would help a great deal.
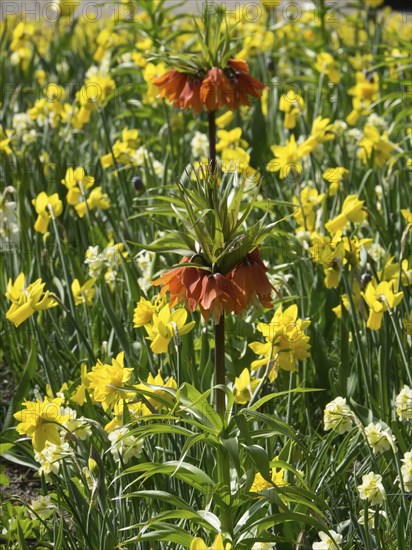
(162, 325)
(26, 300)
(77, 183)
(285, 343)
(288, 157)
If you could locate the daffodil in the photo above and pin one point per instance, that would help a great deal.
(96, 200)
(26, 300)
(376, 146)
(47, 208)
(104, 378)
(277, 478)
(391, 272)
(96, 91)
(79, 395)
(83, 294)
(353, 247)
(150, 72)
(40, 420)
(229, 138)
(407, 215)
(165, 326)
(143, 313)
(352, 211)
(123, 445)
(326, 65)
(77, 183)
(322, 130)
(244, 387)
(292, 105)
(287, 158)
(403, 403)
(380, 298)
(285, 344)
(330, 254)
(335, 177)
(308, 200)
(225, 119)
(5, 147)
(372, 488)
(51, 457)
(329, 541)
(364, 93)
(218, 544)
(406, 471)
(379, 438)
(235, 158)
(338, 416)
(157, 381)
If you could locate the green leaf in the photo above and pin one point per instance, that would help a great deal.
(260, 458)
(271, 396)
(199, 406)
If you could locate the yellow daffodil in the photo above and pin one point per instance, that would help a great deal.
(165, 326)
(287, 158)
(292, 105)
(326, 65)
(407, 215)
(83, 294)
(225, 119)
(103, 377)
(198, 544)
(321, 131)
(95, 92)
(150, 72)
(375, 145)
(277, 476)
(235, 158)
(130, 137)
(229, 138)
(232, 147)
(157, 381)
(380, 298)
(143, 313)
(218, 544)
(4, 146)
(364, 93)
(245, 387)
(76, 182)
(308, 200)
(352, 211)
(26, 301)
(330, 254)
(40, 420)
(47, 207)
(135, 408)
(96, 200)
(106, 39)
(353, 247)
(285, 344)
(79, 396)
(335, 177)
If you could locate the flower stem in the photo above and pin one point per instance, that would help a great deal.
(212, 141)
(220, 365)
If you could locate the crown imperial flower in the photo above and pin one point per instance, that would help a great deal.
(230, 86)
